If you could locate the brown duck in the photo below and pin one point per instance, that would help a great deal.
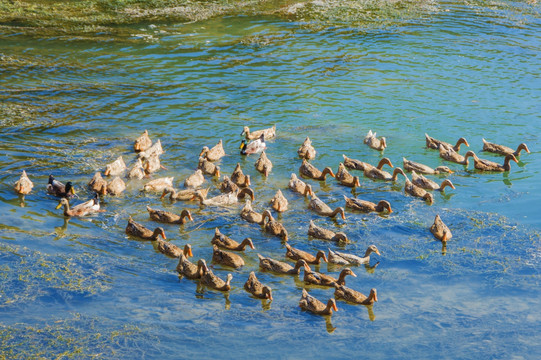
(273, 227)
(342, 292)
(172, 250)
(413, 190)
(208, 167)
(185, 268)
(214, 282)
(195, 180)
(428, 184)
(115, 168)
(281, 267)
(227, 186)
(345, 178)
(306, 150)
(487, 165)
(214, 154)
(354, 164)
(375, 143)
(24, 185)
(440, 230)
(432, 143)
(323, 209)
(325, 234)
(340, 258)
(89, 207)
(504, 150)
(279, 202)
(248, 214)
(367, 206)
(137, 171)
(312, 172)
(184, 195)
(239, 178)
(116, 186)
(313, 305)
(97, 184)
(226, 258)
(263, 164)
(299, 186)
(424, 169)
(268, 133)
(169, 217)
(256, 288)
(142, 143)
(135, 229)
(316, 278)
(226, 242)
(449, 154)
(377, 174)
(296, 254)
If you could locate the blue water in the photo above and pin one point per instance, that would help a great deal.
(468, 71)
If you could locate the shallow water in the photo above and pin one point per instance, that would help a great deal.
(83, 287)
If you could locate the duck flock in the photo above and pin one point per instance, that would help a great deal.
(236, 188)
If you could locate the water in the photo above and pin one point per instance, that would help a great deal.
(82, 287)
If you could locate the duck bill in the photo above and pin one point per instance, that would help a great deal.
(163, 236)
(190, 254)
(163, 195)
(269, 296)
(190, 217)
(58, 206)
(334, 307)
(377, 252)
(375, 298)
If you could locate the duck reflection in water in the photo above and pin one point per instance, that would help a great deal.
(201, 291)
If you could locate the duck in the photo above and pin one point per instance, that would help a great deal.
(97, 184)
(256, 288)
(354, 164)
(135, 229)
(504, 150)
(341, 292)
(268, 133)
(137, 171)
(273, 227)
(428, 184)
(159, 184)
(432, 143)
(306, 150)
(154, 149)
(248, 214)
(279, 202)
(345, 178)
(312, 172)
(89, 207)
(414, 190)
(195, 180)
(325, 234)
(313, 305)
(281, 267)
(56, 188)
(214, 154)
(449, 154)
(340, 258)
(377, 174)
(253, 147)
(367, 206)
(214, 282)
(116, 186)
(231, 198)
(239, 178)
(208, 167)
(228, 186)
(142, 143)
(184, 195)
(299, 186)
(316, 278)
(226, 258)
(152, 164)
(186, 268)
(296, 254)
(440, 230)
(226, 242)
(24, 185)
(424, 169)
(377, 144)
(169, 217)
(172, 250)
(115, 168)
(263, 164)
(487, 165)
(323, 209)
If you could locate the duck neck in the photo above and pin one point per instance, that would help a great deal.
(446, 183)
(185, 215)
(325, 172)
(396, 172)
(342, 278)
(320, 255)
(507, 162)
(340, 211)
(246, 191)
(520, 148)
(244, 243)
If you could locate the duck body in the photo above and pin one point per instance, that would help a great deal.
(367, 206)
(208, 167)
(432, 143)
(228, 199)
(172, 250)
(239, 178)
(342, 292)
(306, 150)
(299, 186)
(281, 267)
(116, 186)
(24, 185)
(186, 268)
(183, 195)
(89, 207)
(214, 154)
(263, 164)
(274, 227)
(56, 188)
(414, 190)
(378, 174)
(279, 202)
(323, 209)
(345, 178)
(267, 133)
(487, 165)
(316, 278)
(355, 164)
(169, 217)
(449, 154)
(296, 254)
(226, 258)
(312, 172)
(504, 150)
(256, 288)
(226, 242)
(313, 305)
(424, 183)
(340, 258)
(372, 141)
(152, 164)
(159, 185)
(228, 186)
(325, 234)
(137, 171)
(209, 279)
(115, 168)
(248, 214)
(137, 230)
(424, 169)
(253, 147)
(440, 230)
(142, 143)
(195, 180)
(98, 184)
(154, 149)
